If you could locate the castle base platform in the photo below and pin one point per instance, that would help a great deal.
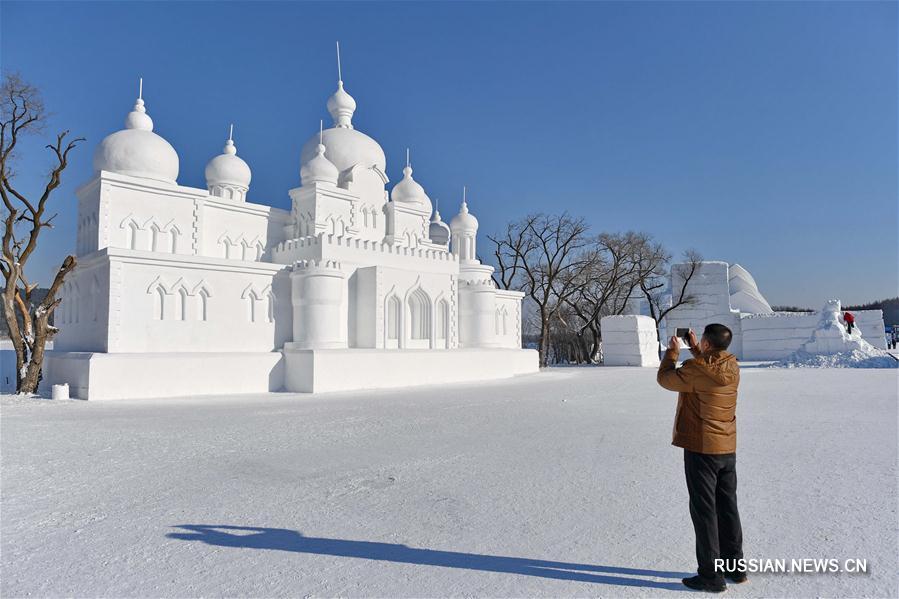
(314, 371)
(100, 376)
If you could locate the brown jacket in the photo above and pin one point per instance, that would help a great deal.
(706, 419)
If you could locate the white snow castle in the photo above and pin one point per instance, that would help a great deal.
(182, 291)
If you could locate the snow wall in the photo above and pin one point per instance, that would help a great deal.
(758, 337)
(776, 336)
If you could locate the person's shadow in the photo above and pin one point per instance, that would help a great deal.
(282, 539)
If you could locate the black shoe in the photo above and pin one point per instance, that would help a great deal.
(698, 583)
(736, 577)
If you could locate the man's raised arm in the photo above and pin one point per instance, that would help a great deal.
(670, 377)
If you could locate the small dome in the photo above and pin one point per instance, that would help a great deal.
(464, 221)
(342, 106)
(137, 151)
(438, 231)
(345, 148)
(409, 191)
(228, 169)
(319, 169)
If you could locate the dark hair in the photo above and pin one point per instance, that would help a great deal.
(718, 335)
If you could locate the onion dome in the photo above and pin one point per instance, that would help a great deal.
(319, 169)
(408, 191)
(137, 151)
(341, 105)
(438, 231)
(464, 222)
(345, 146)
(227, 175)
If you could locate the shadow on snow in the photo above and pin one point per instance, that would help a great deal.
(281, 539)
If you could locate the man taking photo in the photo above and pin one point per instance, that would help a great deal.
(706, 428)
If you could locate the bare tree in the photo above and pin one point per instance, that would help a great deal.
(608, 284)
(655, 286)
(22, 113)
(543, 255)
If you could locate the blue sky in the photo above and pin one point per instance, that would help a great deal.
(758, 133)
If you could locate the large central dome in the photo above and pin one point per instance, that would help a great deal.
(346, 148)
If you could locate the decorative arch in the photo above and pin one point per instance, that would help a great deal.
(501, 321)
(95, 298)
(393, 311)
(252, 297)
(269, 304)
(174, 234)
(227, 243)
(203, 305)
(159, 303)
(419, 313)
(131, 228)
(442, 322)
(181, 303)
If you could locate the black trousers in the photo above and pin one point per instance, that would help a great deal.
(712, 484)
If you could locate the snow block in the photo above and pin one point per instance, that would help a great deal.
(629, 341)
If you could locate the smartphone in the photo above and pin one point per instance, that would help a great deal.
(684, 334)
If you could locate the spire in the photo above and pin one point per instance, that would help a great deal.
(436, 217)
(339, 77)
(138, 117)
(230, 148)
(407, 170)
(341, 105)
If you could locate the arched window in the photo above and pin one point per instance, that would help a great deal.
(260, 249)
(76, 303)
(64, 313)
(420, 315)
(245, 253)
(442, 320)
(175, 233)
(181, 308)
(131, 235)
(252, 306)
(95, 299)
(501, 319)
(203, 301)
(270, 306)
(154, 238)
(159, 303)
(393, 317)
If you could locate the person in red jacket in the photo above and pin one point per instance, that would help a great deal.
(850, 321)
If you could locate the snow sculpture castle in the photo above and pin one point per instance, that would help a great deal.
(198, 291)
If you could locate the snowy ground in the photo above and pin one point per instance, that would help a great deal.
(557, 484)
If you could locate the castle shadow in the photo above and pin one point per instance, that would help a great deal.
(282, 539)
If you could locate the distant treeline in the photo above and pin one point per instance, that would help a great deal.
(890, 309)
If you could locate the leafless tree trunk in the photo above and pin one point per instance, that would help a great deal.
(22, 112)
(542, 255)
(608, 283)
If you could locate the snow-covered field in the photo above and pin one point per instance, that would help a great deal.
(557, 484)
